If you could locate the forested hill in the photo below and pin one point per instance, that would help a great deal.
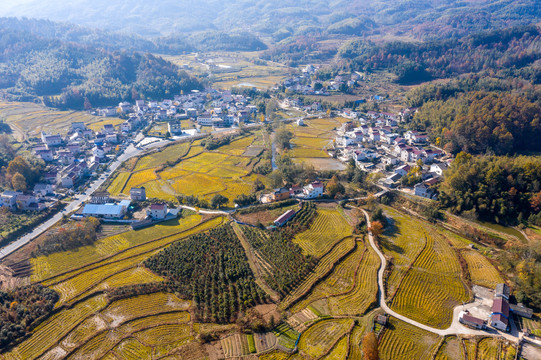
(32, 65)
(416, 62)
(423, 19)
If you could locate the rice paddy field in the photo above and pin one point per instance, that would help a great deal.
(30, 119)
(426, 281)
(92, 327)
(312, 140)
(327, 228)
(404, 341)
(188, 169)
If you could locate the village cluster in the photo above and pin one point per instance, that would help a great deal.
(79, 156)
(379, 145)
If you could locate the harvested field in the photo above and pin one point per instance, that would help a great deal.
(482, 272)
(404, 341)
(328, 227)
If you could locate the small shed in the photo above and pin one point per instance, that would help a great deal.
(284, 218)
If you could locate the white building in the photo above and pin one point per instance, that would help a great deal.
(157, 211)
(313, 190)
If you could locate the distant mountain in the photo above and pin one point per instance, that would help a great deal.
(32, 65)
(417, 18)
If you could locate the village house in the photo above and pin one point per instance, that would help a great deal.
(42, 190)
(499, 318)
(51, 140)
(313, 190)
(280, 194)
(138, 194)
(465, 318)
(157, 211)
(502, 291)
(100, 197)
(9, 199)
(174, 127)
(106, 211)
(28, 203)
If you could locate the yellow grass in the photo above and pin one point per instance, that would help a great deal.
(118, 183)
(139, 178)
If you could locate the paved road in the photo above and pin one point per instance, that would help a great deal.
(129, 152)
(456, 327)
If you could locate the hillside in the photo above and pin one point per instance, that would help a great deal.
(32, 65)
(422, 19)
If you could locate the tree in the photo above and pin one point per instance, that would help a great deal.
(218, 200)
(370, 346)
(334, 187)
(376, 228)
(283, 138)
(18, 181)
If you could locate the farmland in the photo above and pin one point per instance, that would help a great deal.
(406, 342)
(426, 281)
(482, 272)
(328, 227)
(311, 142)
(31, 119)
(190, 170)
(349, 289)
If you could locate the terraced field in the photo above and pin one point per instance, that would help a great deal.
(320, 338)
(114, 247)
(91, 327)
(450, 349)
(323, 268)
(426, 281)
(482, 272)
(192, 171)
(31, 119)
(404, 341)
(328, 227)
(349, 289)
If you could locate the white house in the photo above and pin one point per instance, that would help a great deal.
(313, 190)
(438, 168)
(157, 211)
(41, 190)
(51, 140)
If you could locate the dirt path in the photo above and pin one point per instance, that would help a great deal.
(253, 261)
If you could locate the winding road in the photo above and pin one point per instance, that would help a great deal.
(456, 327)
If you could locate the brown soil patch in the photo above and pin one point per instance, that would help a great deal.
(268, 311)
